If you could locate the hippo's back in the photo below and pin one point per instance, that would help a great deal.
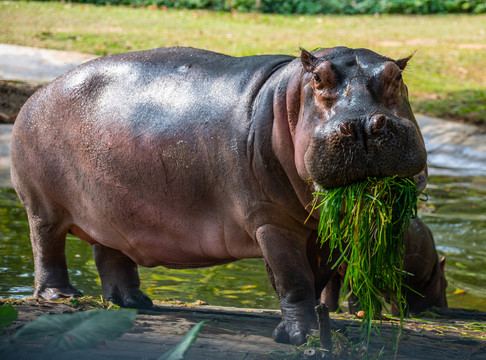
(153, 86)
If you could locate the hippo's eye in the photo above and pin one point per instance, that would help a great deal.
(317, 79)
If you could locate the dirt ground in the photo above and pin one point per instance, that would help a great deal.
(246, 334)
(12, 96)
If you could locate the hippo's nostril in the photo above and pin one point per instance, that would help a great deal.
(347, 129)
(378, 123)
(344, 130)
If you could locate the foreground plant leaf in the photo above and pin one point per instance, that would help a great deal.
(7, 315)
(365, 222)
(180, 350)
(80, 330)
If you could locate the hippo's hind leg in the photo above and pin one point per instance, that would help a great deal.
(48, 238)
(119, 278)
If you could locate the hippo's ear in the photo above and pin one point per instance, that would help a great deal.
(309, 61)
(442, 264)
(402, 63)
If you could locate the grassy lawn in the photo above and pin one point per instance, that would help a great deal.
(446, 77)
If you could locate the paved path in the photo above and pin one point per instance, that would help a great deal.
(453, 148)
(36, 65)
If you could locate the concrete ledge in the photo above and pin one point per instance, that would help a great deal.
(34, 65)
(454, 148)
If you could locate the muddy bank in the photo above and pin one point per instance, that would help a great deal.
(246, 334)
(13, 95)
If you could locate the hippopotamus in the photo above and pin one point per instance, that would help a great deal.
(424, 285)
(185, 158)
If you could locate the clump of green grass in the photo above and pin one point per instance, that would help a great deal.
(365, 222)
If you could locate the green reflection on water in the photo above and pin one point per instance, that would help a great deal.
(16, 261)
(455, 212)
(243, 283)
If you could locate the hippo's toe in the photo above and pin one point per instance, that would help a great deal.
(57, 293)
(298, 338)
(134, 299)
(140, 301)
(280, 334)
(295, 334)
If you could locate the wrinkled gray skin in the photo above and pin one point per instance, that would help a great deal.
(425, 285)
(187, 158)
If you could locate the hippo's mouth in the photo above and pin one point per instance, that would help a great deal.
(420, 181)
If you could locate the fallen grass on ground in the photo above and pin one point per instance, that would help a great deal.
(450, 48)
(80, 303)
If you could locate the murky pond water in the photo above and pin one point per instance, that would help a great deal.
(455, 211)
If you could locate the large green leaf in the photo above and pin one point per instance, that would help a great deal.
(178, 352)
(7, 315)
(79, 330)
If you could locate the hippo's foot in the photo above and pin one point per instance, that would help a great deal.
(57, 293)
(294, 333)
(119, 278)
(130, 298)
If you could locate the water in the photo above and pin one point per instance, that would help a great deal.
(456, 214)
(455, 211)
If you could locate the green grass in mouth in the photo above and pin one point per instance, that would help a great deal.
(365, 222)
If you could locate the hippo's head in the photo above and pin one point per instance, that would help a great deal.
(355, 120)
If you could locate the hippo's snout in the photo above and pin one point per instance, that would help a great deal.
(350, 128)
(349, 149)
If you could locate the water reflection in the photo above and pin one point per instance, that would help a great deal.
(455, 211)
(456, 214)
(243, 284)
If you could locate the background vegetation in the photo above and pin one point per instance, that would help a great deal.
(313, 7)
(446, 78)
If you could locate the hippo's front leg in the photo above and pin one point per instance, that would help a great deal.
(291, 275)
